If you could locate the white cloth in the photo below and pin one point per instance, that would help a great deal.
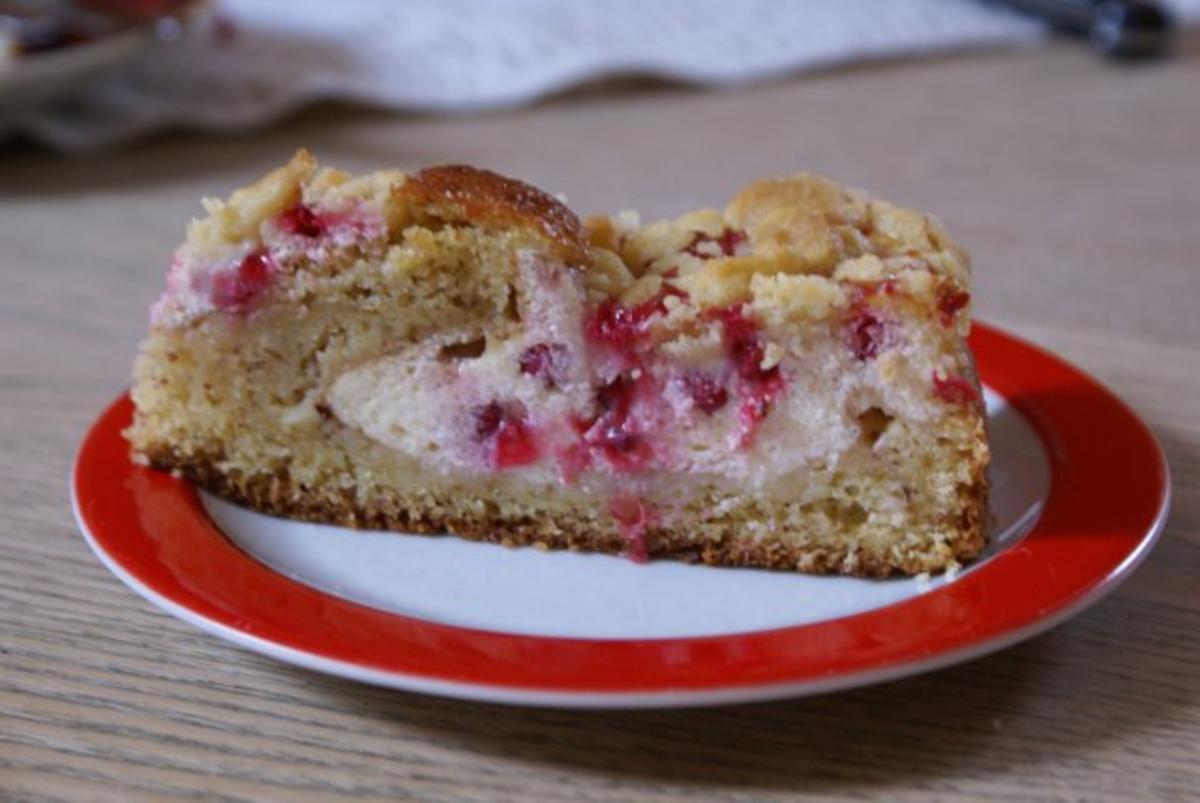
(264, 58)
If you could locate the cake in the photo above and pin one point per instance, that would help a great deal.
(783, 384)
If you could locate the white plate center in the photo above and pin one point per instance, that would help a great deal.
(531, 592)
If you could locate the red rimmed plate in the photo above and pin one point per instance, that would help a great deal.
(1080, 493)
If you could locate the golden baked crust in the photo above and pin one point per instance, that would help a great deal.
(278, 494)
(463, 194)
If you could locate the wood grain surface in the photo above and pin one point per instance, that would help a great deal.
(1075, 183)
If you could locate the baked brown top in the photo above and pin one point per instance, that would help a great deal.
(464, 194)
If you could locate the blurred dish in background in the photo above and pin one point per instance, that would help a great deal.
(48, 48)
(1121, 29)
(250, 62)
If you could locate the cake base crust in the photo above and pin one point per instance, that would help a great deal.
(279, 495)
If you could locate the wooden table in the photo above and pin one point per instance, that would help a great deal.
(1075, 183)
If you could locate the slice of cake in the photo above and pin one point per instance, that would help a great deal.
(783, 384)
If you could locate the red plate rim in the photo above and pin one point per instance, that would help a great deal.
(1108, 498)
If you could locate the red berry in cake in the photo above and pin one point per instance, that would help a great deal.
(515, 445)
(546, 361)
(573, 460)
(707, 393)
(758, 387)
(632, 518)
(612, 324)
(730, 240)
(866, 335)
(302, 220)
(235, 289)
(613, 432)
(735, 326)
(747, 355)
(622, 328)
(757, 396)
(742, 343)
(617, 396)
(954, 389)
(487, 420)
(622, 333)
(950, 302)
(708, 246)
(617, 439)
(504, 429)
(625, 451)
(753, 409)
(658, 304)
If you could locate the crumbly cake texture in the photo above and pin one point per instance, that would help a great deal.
(783, 384)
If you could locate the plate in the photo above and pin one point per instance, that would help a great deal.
(41, 78)
(1080, 493)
